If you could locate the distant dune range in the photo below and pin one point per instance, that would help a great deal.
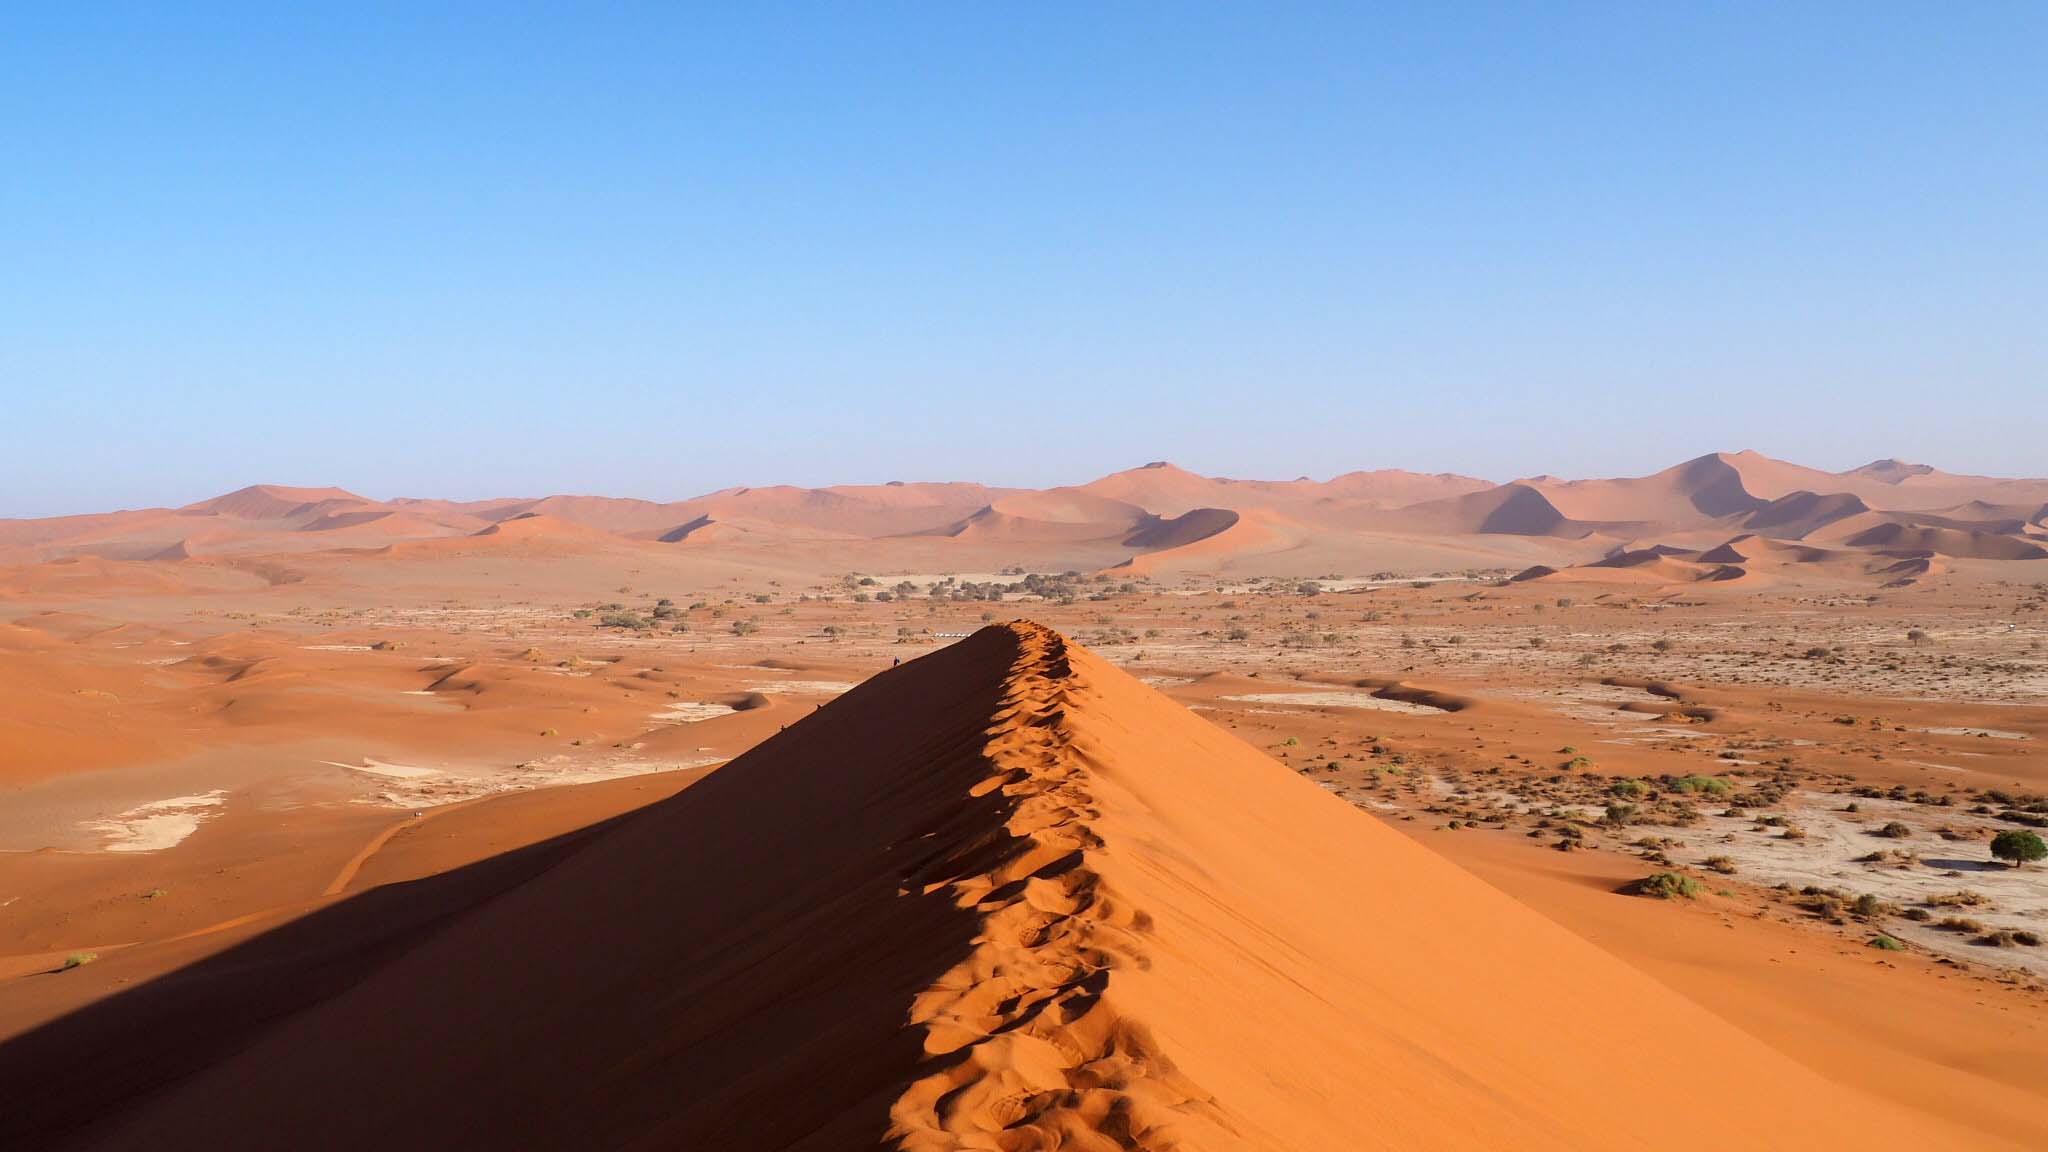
(1886, 522)
(1004, 896)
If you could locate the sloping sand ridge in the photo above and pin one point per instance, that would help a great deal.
(1003, 897)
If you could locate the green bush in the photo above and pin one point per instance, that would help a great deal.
(2018, 846)
(1670, 886)
(1707, 784)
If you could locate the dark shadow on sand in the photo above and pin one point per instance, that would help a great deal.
(729, 968)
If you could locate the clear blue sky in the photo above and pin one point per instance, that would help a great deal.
(647, 249)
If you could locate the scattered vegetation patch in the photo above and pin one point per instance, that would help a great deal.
(1669, 886)
(1708, 785)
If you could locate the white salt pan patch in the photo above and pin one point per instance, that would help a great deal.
(389, 771)
(821, 687)
(1337, 700)
(1993, 733)
(430, 788)
(158, 825)
(692, 712)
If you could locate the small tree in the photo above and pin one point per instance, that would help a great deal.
(2018, 846)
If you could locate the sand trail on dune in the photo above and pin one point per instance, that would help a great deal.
(1024, 1047)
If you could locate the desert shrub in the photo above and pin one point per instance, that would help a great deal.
(1629, 788)
(79, 960)
(1721, 864)
(1961, 899)
(1886, 943)
(2018, 846)
(1707, 784)
(1895, 831)
(1959, 924)
(1670, 886)
(1867, 905)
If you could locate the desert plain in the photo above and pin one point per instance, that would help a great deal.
(1161, 811)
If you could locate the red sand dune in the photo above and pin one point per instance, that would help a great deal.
(1182, 530)
(992, 525)
(275, 502)
(1168, 490)
(1004, 896)
(376, 520)
(701, 529)
(1757, 549)
(1947, 542)
(1359, 521)
(1798, 514)
(1249, 533)
(1710, 486)
(1509, 510)
(539, 526)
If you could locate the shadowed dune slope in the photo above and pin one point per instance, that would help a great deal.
(1947, 542)
(1709, 486)
(1182, 530)
(1509, 510)
(1798, 513)
(1003, 897)
(276, 502)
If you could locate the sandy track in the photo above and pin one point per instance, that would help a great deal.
(1023, 1047)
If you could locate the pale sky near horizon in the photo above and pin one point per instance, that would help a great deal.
(653, 250)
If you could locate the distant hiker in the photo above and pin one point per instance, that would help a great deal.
(898, 660)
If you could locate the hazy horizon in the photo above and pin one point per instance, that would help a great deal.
(447, 253)
(379, 493)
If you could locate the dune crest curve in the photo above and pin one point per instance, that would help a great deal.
(1026, 1048)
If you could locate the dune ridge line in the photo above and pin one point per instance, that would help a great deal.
(1023, 1049)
